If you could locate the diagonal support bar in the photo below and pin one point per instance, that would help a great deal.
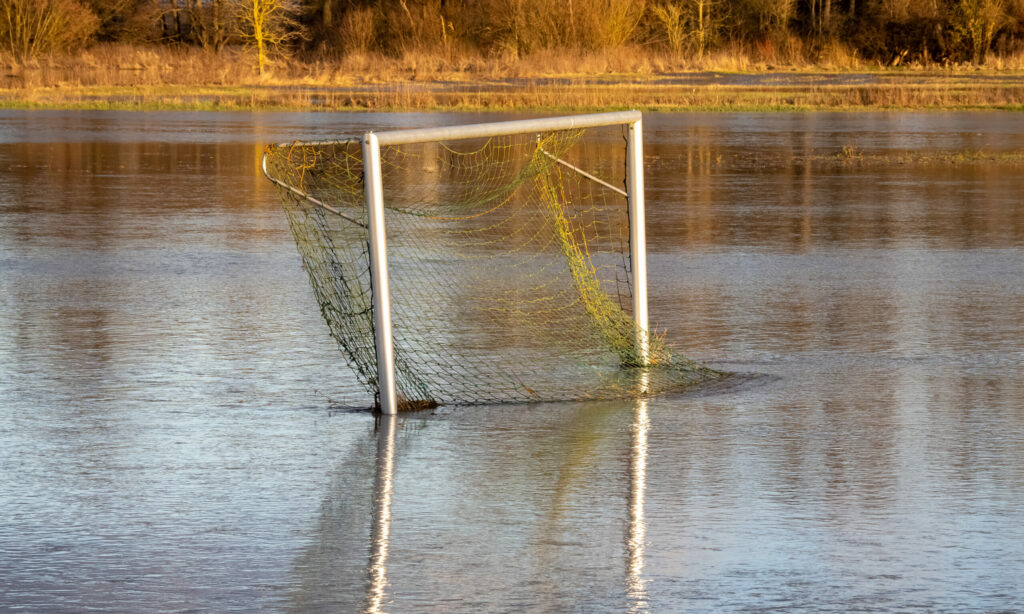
(583, 173)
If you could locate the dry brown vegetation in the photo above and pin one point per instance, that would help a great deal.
(329, 90)
(29, 28)
(784, 32)
(510, 53)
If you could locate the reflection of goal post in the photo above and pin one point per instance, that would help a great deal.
(508, 235)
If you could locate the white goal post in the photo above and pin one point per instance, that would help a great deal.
(371, 144)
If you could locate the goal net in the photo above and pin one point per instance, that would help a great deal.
(508, 263)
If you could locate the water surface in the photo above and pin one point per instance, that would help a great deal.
(174, 438)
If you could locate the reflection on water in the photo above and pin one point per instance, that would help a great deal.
(383, 487)
(166, 387)
(637, 525)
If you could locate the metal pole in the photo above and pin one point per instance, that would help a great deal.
(379, 275)
(638, 236)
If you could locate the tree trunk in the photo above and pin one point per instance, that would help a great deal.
(572, 22)
(259, 36)
(700, 29)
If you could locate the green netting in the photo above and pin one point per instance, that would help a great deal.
(510, 273)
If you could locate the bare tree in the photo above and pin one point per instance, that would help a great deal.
(978, 21)
(172, 20)
(32, 27)
(210, 23)
(267, 25)
(821, 15)
(689, 23)
(764, 17)
(672, 18)
(113, 15)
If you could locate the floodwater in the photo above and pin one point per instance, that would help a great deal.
(175, 422)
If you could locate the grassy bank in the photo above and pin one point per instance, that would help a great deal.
(125, 77)
(572, 95)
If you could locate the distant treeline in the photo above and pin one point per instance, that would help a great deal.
(888, 32)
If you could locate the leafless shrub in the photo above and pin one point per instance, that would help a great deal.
(29, 28)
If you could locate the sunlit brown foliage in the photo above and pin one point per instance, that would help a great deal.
(549, 34)
(31, 27)
(886, 32)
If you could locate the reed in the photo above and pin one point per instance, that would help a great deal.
(127, 76)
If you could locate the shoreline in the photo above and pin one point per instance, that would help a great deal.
(704, 91)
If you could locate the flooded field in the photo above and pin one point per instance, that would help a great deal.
(177, 429)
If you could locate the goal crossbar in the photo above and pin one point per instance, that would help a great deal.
(474, 131)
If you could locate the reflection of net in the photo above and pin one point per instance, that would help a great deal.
(509, 272)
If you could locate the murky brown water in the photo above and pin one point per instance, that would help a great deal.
(168, 441)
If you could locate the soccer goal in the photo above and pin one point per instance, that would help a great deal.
(483, 263)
